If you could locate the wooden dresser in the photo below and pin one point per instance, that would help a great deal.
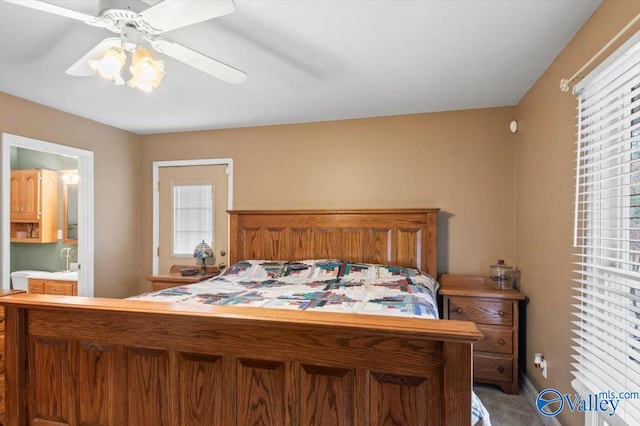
(495, 312)
(2, 358)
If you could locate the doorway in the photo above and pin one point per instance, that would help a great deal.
(84, 158)
(202, 185)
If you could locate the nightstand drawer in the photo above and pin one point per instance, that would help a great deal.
(496, 340)
(492, 369)
(481, 310)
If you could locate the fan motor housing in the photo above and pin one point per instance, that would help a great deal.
(124, 7)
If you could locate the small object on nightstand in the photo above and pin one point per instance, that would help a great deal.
(203, 251)
(501, 275)
(187, 272)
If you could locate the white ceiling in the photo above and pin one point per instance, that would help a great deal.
(306, 60)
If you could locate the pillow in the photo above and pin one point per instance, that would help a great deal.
(326, 269)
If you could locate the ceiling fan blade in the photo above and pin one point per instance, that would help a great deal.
(199, 61)
(171, 14)
(58, 10)
(81, 68)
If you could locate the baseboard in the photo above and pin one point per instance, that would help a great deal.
(531, 393)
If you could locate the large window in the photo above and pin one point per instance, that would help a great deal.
(607, 350)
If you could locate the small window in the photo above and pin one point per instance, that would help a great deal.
(192, 217)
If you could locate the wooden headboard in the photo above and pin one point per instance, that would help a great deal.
(403, 237)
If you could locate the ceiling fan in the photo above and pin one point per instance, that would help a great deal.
(136, 25)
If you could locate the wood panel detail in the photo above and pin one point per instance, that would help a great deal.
(326, 396)
(95, 372)
(398, 400)
(50, 359)
(379, 246)
(276, 243)
(327, 243)
(202, 389)
(251, 242)
(260, 394)
(301, 247)
(409, 248)
(148, 387)
(353, 243)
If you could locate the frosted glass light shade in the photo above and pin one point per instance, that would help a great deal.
(110, 64)
(147, 72)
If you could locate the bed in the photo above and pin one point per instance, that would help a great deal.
(73, 360)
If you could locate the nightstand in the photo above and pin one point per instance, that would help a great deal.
(495, 312)
(174, 278)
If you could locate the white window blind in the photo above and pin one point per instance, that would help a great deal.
(192, 217)
(607, 232)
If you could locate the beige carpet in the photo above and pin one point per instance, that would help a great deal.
(505, 409)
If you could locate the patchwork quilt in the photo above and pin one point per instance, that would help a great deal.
(320, 285)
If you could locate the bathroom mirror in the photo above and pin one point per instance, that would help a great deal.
(70, 203)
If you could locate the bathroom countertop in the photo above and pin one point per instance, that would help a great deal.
(60, 276)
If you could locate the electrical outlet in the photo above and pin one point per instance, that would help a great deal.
(74, 266)
(540, 363)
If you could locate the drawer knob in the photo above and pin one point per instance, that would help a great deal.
(459, 310)
(501, 313)
(501, 341)
(501, 369)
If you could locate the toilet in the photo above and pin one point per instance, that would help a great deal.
(20, 279)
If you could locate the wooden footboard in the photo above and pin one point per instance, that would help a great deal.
(81, 361)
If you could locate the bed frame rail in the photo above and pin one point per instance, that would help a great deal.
(106, 362)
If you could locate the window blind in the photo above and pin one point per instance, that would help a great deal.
(607, 232)
(192, 217)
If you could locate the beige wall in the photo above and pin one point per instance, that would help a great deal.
(461, 162)
(545, 162)
(116, 162)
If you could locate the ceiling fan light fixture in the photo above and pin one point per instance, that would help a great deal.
(137, 23)
(110, 65)
(147, 72)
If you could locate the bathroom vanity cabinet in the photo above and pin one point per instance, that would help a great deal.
(34, 206)
(57, 287)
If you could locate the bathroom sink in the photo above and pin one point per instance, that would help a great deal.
(64, 275)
